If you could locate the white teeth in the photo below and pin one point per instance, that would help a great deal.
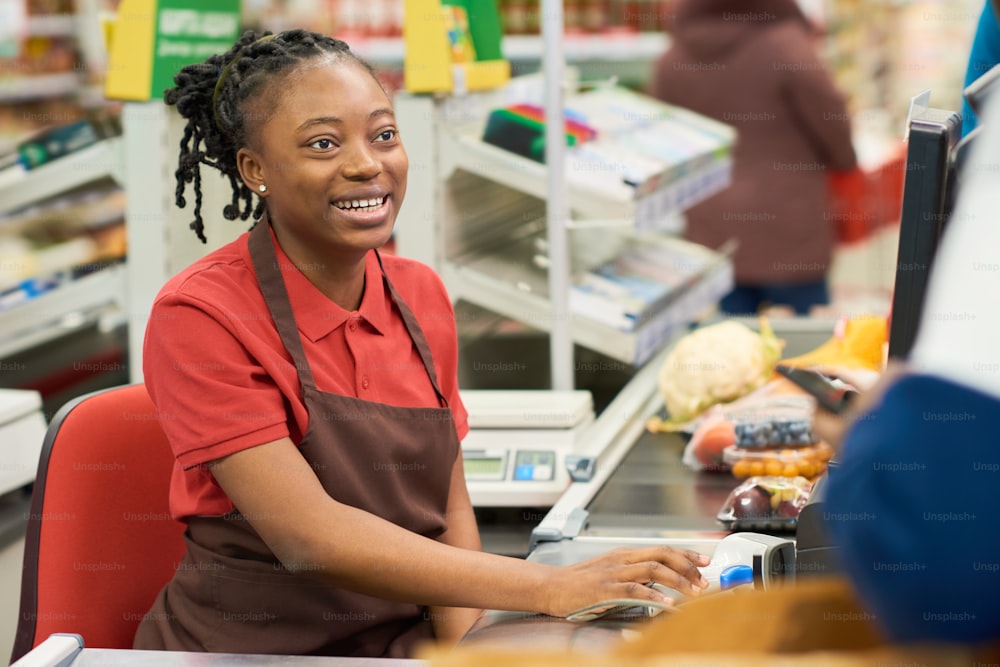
(359, 203)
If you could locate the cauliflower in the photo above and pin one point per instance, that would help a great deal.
(716, 364)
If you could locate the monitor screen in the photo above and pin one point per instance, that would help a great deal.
(928, 189)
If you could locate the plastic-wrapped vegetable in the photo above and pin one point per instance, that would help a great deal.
(856, 343)
(716, 364)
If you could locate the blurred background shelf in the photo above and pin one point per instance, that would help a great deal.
(71, 306)
(24, 88)
(88, 166)
(52, 25)
(610, 47)
(480, 219)
(521, 296)
(614, 201)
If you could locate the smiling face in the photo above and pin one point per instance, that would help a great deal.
(330, 155)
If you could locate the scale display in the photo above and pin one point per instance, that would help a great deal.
(483, 467)
(534, 466)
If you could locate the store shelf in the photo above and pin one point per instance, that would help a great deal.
(69, 307)
(52, 25)
(576, 48)
(41, 86)
(608, 199)
(99, 162)
(485, 209)
(511, 285)
(643, 46)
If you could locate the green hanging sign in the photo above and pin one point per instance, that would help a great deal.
(151, 40)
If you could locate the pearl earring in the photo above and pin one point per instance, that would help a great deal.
(262, 188)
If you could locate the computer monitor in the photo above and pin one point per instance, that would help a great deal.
(932, 157)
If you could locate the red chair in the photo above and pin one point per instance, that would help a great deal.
(100, 541)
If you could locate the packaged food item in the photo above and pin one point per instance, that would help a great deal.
(704, 451)
(809, 461)
(765, 503)
(774, 421)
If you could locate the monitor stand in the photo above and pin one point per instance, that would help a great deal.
(815, 553)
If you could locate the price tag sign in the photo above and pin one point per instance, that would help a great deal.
(151, 40)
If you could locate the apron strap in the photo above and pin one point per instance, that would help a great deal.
(416, 333)
(272, 286)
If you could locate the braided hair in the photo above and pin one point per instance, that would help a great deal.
(215, 97)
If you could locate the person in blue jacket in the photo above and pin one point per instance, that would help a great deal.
(984, 55)
(912, 505)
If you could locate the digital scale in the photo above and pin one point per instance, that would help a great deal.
(522, 444)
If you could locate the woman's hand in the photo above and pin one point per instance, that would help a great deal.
(627, 573)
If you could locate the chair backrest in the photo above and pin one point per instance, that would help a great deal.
(100, 541)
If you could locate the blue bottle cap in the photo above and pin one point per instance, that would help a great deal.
(735, 575)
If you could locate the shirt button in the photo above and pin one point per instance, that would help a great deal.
(364, 382)
(353, 326)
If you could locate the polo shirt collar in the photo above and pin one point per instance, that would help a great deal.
(316, 315)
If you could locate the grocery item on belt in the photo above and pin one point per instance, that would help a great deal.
(778, 414)
(857, 342)
(715, 364)
(765, 503)
(809, 461)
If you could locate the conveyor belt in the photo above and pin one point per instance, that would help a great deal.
(652, 491)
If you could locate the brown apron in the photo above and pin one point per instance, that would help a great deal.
(230, 593)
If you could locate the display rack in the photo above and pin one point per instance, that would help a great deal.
(476, 213)
(643, 47)
(74, 303)
(52, 25)
(610, 200)
(100, 162)
(39, 86)
(68, 308)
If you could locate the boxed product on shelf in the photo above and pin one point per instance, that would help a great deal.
(624, 291)
(520, 128)
(645, 159)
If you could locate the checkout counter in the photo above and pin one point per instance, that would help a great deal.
(638, 493)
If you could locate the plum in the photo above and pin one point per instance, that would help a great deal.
(788, 509)
(753, 503)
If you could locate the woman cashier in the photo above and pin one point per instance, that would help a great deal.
(308, 389)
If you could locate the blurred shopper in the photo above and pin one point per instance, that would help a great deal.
(753, 64)
(984, 55)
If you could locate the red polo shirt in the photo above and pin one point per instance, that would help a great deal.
(222, 381)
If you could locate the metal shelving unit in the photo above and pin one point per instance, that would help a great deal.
(63, 310)
(611, 201)
(52, 25)
(644, 46)
(510, 285)
(475, 211)
(91, 165)
(73, 304)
